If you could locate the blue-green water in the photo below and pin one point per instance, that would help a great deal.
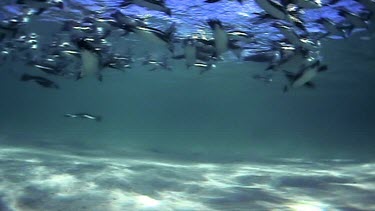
(180, 140)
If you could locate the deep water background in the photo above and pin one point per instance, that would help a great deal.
(221, 114)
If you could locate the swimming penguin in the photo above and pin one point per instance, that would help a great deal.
(279, 11)
(368, 4)
(158, 5)
(7, 32)
(289, 57)
(84, 116)
(190, 53)
(220, 36)
(305, 4)
(154, 35)
(9, 28)
(41, 5)
(44, 82)
(355, 19)
(122, 19)
(295, 39)
(49, 69)
(204, 66)
(332, 28)
(305, 76)
(157, 64)
(261, 56)
(241, 36)
(90, 58)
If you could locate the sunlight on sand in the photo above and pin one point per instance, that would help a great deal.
(32, 179)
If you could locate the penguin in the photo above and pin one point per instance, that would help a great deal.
(41, 5)
(190, 53)
(49, 69)
(44, 82)
(90, 59)
(204, 66)
(122, 19)
(354, 19)
(305, 76)
(261, 56)
(305, 4)
(240, 36)
(278, 11)
(118, 62)
(163, 63)
(368, 4)
(9, 29)
(295, 39)
(84, 116)
(205, 46)
(289, 57)
(332, 28)
(158, 5)
(220, 36)
(7, 32)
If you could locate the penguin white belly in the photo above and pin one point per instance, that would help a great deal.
(270, 9)
(190, 55)
(357, 21)
(221, 41)
(90, 63)
(306, 77)
(149, 36)
(333, 30)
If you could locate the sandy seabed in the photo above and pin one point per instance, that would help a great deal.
(36, 179)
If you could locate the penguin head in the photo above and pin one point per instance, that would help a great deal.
(58, 3)
(83, 44)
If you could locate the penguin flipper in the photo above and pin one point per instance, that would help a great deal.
(78, 76)
(106, 34)
(310, 85)
(271, 67)
(40, 11)
(297, 22)
(237, 50)
(126, 3)
(323, 68)
(178, 57)
(170, 31)
(323, 35)
(25, 77)
(289, 75)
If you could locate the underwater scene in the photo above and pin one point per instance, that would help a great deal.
(195, 105)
